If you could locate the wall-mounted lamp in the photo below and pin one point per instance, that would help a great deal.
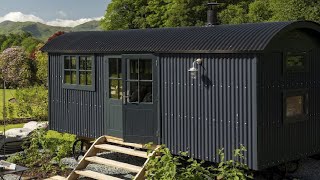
(193, 71)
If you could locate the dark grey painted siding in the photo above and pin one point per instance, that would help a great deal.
(78, 112)
(279, 142)
(217, 110)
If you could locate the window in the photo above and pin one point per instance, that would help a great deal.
(78, 72)
(295, 108)
(70, 70)
(115, 78)
(295, 61)
(85, 70)
(139, 80)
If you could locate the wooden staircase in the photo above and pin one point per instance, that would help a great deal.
(106, 143)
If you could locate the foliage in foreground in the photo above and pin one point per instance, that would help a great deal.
(232, 169)
(44, 150)
(169, 167)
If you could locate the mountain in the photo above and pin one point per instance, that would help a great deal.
(43, 31)
(88, 26)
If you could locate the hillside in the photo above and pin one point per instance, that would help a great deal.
(43, 31)
(89, 26)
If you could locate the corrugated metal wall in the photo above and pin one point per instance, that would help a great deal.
(217, 110)
(279, 142)
(76, 111)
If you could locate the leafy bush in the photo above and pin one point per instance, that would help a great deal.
(194, 169)
(172, 167)
(169, 167)
(232, 169)
(162, 167)
(30, 102)
(44, 149)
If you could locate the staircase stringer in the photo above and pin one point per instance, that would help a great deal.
(83, 163)
(141, 175)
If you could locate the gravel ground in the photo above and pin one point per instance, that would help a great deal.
(309, 169)
(120, 173)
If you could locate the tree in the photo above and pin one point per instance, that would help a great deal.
(29, 44)
(125, 14)
(128, 14)
(2, 39)
(42, 65)
(235, 14)
(24, 39)
(288, 10)
(15, 66)
(186, 13)
(59, 33)
(259, 11)
(157, 13)
(271, 10)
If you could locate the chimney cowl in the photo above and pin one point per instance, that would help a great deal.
(212, 17)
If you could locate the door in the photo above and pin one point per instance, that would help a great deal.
(140, 102)
(114, 96)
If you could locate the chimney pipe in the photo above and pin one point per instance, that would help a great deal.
(212, 17)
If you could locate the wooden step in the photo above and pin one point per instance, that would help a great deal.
(123, 150)
(56, 178)
(95, 175)
(108, 162)
(120, 142)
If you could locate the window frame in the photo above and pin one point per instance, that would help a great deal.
(79, 86)
(70, 69)
(287, 70)
(119, 78)
(297, 118)
(127, 58)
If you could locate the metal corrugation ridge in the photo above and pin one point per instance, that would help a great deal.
(75, 111)
(216, 110)
(280, 142)
(242, 37)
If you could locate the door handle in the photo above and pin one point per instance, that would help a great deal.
(125, 99)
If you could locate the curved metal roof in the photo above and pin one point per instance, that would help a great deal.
(221, 38)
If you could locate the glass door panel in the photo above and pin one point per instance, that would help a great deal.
(139, 80)
(139, 109)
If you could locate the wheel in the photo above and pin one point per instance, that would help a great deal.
(293, 166)
(77, 149)
(289, 167)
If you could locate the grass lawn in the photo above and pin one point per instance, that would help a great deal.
(11, 126)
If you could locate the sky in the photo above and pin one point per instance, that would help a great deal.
(68, 13)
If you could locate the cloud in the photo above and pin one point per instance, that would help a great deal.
(20, 17)
(71, 23)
